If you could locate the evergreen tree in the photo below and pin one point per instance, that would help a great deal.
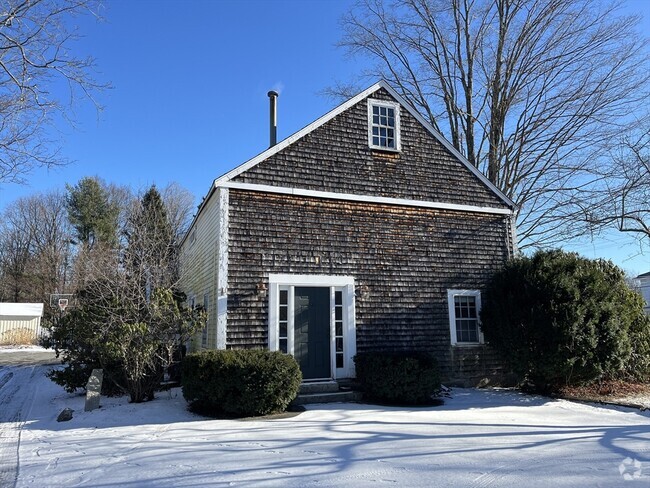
(130, 319)
(151, 250)
(91, 212)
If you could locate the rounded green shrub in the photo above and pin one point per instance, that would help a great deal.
(559, 319)
(240, 382)
(400, 378)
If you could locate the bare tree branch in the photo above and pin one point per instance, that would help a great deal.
(35, 56)
(625, 200)
(531, 91)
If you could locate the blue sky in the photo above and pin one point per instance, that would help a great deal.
(190, 81)
(189, 101)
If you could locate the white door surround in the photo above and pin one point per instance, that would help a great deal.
(342, 317)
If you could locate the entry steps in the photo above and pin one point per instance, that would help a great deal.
(326, 392)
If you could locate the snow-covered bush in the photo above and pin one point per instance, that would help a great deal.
(401, 378)
(240, 382)
(559, 319)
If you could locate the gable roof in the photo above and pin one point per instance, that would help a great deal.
(21, 309)
(341, 108)
(226, 177)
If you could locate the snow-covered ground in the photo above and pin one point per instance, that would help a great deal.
(478, 438)
(25, 348)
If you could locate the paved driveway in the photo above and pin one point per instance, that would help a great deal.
(18, 371)
(27, 357)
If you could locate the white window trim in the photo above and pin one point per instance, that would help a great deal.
(191, 300)
(372, 102)
(452, 316)
(342, 283)
(205, 332)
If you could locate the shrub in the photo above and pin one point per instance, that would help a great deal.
(559, 319)
(133, 353)
(240, 382)
(401, 378)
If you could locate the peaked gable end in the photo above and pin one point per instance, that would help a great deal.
(335, 155)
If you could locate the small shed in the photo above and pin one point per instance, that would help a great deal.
(20, 323)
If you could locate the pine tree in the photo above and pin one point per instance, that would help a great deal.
(151, 243)
(92, 213)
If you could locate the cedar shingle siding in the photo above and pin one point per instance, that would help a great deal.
(336, 157)
(403, 260)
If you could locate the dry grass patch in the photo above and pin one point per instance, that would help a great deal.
(19, 337)
(606, 391)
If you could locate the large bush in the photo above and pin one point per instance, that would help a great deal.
(240, 382)
(402, 378)
(128, 318)
(133, 347)
(559, 319)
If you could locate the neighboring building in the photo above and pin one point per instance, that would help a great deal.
(644, 289)
(366, 230)
(20, 321)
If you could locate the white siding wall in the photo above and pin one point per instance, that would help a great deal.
(15, 316)
(199, 266)
(644, 288)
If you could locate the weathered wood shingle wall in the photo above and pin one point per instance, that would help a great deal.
(336, 157)
(403, 259)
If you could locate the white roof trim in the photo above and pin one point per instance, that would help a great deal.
(297, 135)
(362, 198)
(21, 309)
(326, 118)
(341, 108)
(447, 144)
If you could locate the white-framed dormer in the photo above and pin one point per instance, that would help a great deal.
(339, 291)
(464, 317)
(384, 132)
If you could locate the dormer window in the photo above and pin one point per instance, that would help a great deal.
(383, 125)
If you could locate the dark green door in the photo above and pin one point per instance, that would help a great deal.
(312, 331)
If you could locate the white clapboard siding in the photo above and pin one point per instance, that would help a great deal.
(15, 316)
(199, 266)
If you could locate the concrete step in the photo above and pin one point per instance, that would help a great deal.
(332, 397)
(319, 387)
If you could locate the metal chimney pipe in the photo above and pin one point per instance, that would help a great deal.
(273, 117)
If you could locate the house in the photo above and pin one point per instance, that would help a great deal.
(643, 281)
(20, 323)
(366, 230)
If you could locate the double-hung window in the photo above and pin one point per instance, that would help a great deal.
(464, 310)
(383, 125)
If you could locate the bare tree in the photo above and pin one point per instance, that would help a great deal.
(35, 254)
(625, 199)
(36, 60)
(179, 204)
(15, 253)
(531, 91)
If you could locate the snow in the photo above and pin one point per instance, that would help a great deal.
(25, 349)
(21, 310)
(477, 438)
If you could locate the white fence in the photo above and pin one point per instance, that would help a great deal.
(20, 321)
